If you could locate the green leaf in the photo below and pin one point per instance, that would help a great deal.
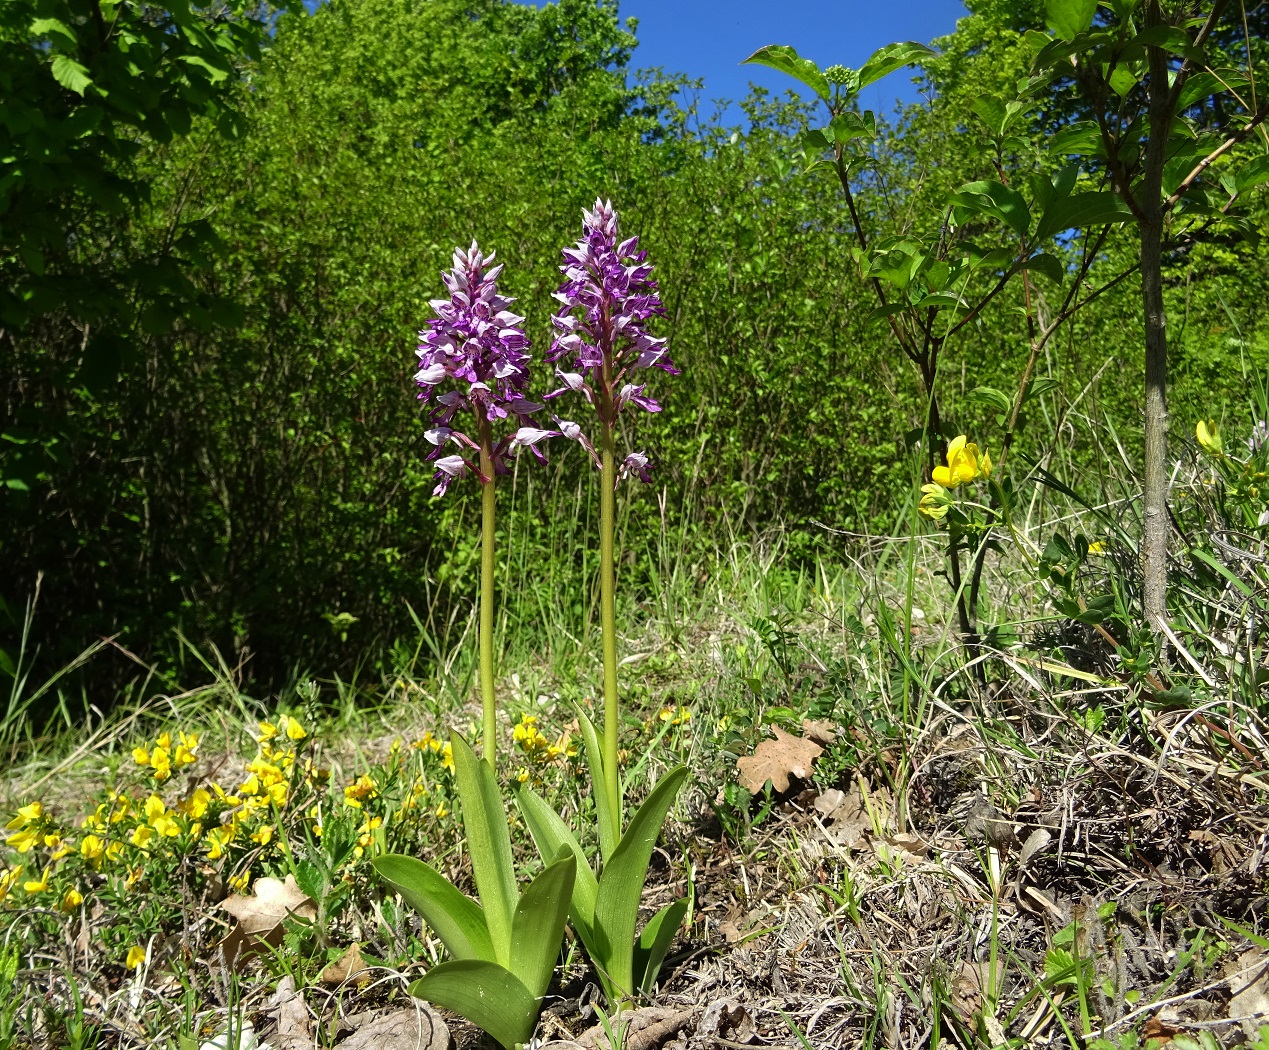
(490, 996)
(71, 75)
(458, 920)
(54, 27)
(538, 925)
(989, 395)
(621, 883)
(607, 818)
(489, 842)
(890, 58)
(787, 60)
(655, 941)
(849, 126)
(1253, 173)
(1069, 18)
(1079, 210)
(550, 835)
(997, 200)
(1048, 265)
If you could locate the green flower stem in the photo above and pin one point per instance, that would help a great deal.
(487, 593)
(608, 613)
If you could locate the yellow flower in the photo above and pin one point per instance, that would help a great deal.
(238, 883)
(268, 730)
(165, 741)
(447, 758)
(141, 756)
(72, 900)
(141, 836)
(1209, 437)
(294, 730)
(361, 789)
(154, 808)
(92, 848)
(166, 826)
(441, 811)
(136, 957)
(935, 501)
(196, 805)
(29, 814)
(38, 886)
(1097, 547)
(963, 464)
(8, 879)
(22, 841)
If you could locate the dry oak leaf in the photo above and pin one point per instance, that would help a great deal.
(416, 1027)
(776, 760)
(350, 964)
(260, 916)
(294, 1032)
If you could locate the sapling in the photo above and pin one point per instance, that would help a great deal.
(607, 298)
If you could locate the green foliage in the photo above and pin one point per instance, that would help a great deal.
(504, 948)
(605, 907)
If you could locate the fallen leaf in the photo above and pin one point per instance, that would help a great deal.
(821, 731)
(725, 1020)
(287, 1008)
(646, 1028)
(1249, 988)
(1035, 842)
(347, 965)
(416, 1027)
(260, 916)
(973, 979)
(776, 760)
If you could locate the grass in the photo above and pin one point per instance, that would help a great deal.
(1042, 852)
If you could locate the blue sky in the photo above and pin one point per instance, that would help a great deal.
(709, 38)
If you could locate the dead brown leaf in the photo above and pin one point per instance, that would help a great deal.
(821, 731)
(416, 1027)
(646, 1028)
(350, 964)
(287, 1008)
(260, 916)
(777, 760)
(1249, 986)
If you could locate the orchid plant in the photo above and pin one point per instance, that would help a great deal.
(504, 948)
(607, 298)
(477, 349)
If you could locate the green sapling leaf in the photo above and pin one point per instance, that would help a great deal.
(787, 60)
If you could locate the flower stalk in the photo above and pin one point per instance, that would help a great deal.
(608, 614)
(488, 503)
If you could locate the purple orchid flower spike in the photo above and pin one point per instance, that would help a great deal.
(607, 298)
(476, 347)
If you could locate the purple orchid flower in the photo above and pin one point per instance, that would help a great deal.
(477, 344)
(607, 297)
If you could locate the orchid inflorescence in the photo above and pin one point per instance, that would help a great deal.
(476, 341)
(607, 297)
(503, 947)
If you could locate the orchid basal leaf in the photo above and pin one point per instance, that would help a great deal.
(488, 995)
(538, 925)
(654, 942)
(622, 878)
(458, 920)
(550, 835)
(489, 841)
(607, 813)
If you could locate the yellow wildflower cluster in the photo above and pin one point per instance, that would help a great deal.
(162, 758)
(676, 716)
(538, 747)
(427, 742)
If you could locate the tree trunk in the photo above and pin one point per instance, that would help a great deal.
(1154, 545)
